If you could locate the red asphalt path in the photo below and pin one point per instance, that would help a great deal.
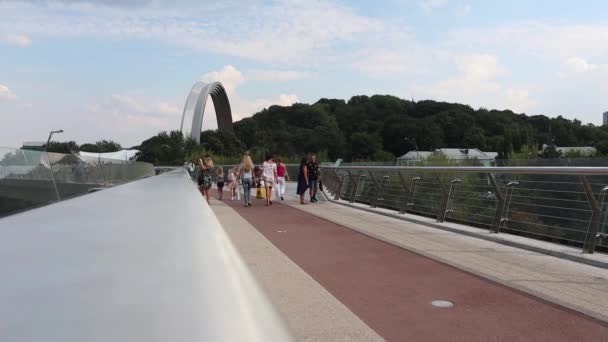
(390, 289)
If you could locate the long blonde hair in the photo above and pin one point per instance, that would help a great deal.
(247, 163)
(208, 161)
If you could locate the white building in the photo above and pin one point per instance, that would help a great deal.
(584, 151)
(453, 154)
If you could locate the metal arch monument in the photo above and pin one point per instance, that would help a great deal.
(192, 119)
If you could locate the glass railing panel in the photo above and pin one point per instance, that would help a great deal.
(25, 180)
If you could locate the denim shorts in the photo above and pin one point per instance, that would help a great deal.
(314, 184)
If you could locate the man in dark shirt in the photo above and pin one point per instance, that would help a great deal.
(313, 176)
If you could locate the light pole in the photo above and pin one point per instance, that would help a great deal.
(46, 149)
(413, 142)
(48, 141)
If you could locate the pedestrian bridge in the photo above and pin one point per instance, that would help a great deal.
(388, 254)
(151, 261)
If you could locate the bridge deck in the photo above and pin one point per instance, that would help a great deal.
(390, 288)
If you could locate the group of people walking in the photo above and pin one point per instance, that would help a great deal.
(268, 178)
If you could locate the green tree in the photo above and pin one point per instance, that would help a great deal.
(550, 151)
(364, 145)
(63, 147)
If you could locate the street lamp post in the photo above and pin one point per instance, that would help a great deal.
(46, 149)
(48, 141)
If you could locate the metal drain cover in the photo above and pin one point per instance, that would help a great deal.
(442, 303)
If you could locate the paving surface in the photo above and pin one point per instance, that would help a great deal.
(311, 312)
(571, 284)
(390, 288)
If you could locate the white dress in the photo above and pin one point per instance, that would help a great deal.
(268, 172)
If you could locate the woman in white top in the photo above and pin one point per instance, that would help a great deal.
(269, 174)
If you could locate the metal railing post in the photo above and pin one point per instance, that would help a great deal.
(340, 181)
(357, 184)
(596, 216)
(504, 217)
(353, 191)
(446, 209)
(444, 200)
(373, 202)
(405, 190)
(410, 193)
(332, 181)
(381, 195)
(53, 177)
(500, 206)
(327, 181)
(103, 175)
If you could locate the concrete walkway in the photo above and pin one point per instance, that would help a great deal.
(389, 288)
(312, 313)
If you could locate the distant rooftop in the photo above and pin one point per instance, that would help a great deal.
(451, 153)
(33, 143)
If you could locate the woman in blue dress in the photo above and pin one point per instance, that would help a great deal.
(302, 180)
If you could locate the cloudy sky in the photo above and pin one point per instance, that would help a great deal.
(121, 70)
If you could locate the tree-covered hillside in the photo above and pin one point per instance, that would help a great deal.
(374, 128)
(371, 129)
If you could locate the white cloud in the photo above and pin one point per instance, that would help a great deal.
(379, 62)
(479, 67)
(278, 75)
(287, 32)
(136, 113)
(281, 100)
(287, 99)
(231, 78)
(6, 93)
(580, 65)
(16, 39)
(168, 108)
(549, 42)
(477, 75)
(519, 100)
(430, 5)
(477, 84)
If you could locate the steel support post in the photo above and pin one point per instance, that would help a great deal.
(373, 202)
(340, 181)
(360, 180)
(446, 202)
(353, 191)
(596, 216)
(406, 198)
(500, 206)
(381, 195)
